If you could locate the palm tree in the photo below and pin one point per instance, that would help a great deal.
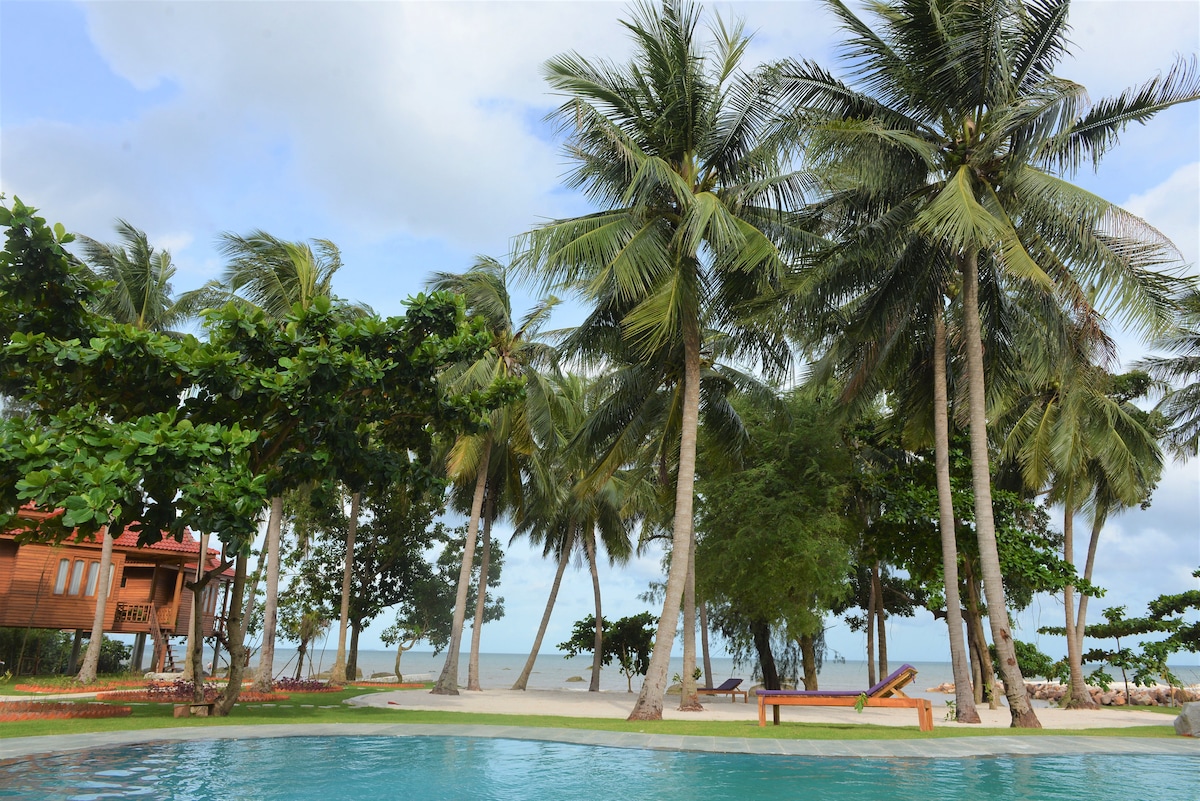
(515, 353)
(567, 511)
(1180, 404)
(140, 295)
(1073, 434)
(675, 149)
(960, 132)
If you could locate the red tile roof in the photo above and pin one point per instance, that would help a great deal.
(129, 539)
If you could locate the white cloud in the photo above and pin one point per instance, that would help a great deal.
(1174, 208)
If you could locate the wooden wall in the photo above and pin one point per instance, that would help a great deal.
(30, 600)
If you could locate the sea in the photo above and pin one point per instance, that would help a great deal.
(558, 672)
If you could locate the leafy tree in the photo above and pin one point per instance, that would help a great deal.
(1117, 627)
(675, 148)
(787, 499)
(138, 293)
(628, 640)
(956, 136)
(267, 405)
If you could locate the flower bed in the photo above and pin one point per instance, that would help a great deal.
(305, 686)
(169, 694)
(390, 685)
(45, 710)
(75, 687)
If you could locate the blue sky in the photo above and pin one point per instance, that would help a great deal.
(412, 135)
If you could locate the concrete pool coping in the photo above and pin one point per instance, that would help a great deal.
(952, 747)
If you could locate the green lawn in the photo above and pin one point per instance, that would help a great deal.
(306, 708)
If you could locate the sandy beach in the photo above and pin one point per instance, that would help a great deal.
(572, 703)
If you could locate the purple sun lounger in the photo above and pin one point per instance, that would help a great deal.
(884, 694)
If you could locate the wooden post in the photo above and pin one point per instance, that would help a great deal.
(175, 600)
(139, 650)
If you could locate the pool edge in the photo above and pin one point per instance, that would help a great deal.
(957, 747)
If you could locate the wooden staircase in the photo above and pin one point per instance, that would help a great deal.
(162, 646)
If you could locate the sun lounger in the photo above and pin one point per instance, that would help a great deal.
(728, 687)
(884, 694)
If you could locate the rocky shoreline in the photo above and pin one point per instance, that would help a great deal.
(1053, 692)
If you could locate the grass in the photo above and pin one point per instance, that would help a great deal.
(305, 708)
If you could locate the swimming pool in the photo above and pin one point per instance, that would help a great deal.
(445, 768)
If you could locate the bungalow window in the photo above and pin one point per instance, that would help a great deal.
(93, 573)
(60, 579)
(76, 577)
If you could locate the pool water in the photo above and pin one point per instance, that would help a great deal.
(446, 768)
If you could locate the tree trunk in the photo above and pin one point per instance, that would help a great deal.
(761, 633)
(447, 683)
(264, 678)
(193, 665)
(703, 612)
(523, 680)
(352, 656)
(649, 703)
(195, 660)
(91, 659)
(1098, 520)
(338, 672)
(1077, 696)
(880, 620)
(689, 699)
(986, 689)
(236, 630)
(481, 595)
(964, 699)
(401, 647)
(870, 613)
(589, 545)
(985, 528)
(252, 595)
(808, 660)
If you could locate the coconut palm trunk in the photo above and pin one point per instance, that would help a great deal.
(1081, 619)
(264, 677)
(589, 547)
(91, 660)
(1078, 696)
(1022, 713)
(702, 611)
(689, 699)
(447, 683)
(964, 699)
(523, 680)
(649, 704)
(338, 672)
(480, 595)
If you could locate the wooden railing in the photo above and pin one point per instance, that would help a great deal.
(141, 613)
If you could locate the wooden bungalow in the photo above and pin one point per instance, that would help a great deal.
(54, 587)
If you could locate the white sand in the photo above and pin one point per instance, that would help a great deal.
(570, 703)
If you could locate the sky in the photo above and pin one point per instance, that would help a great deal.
(414, 136)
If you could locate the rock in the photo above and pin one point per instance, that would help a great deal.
(575, 678)
(1188, 722)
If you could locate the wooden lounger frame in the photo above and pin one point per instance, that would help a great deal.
(732, 692)
(886, 694)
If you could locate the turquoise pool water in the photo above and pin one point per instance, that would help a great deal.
(445, 769)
